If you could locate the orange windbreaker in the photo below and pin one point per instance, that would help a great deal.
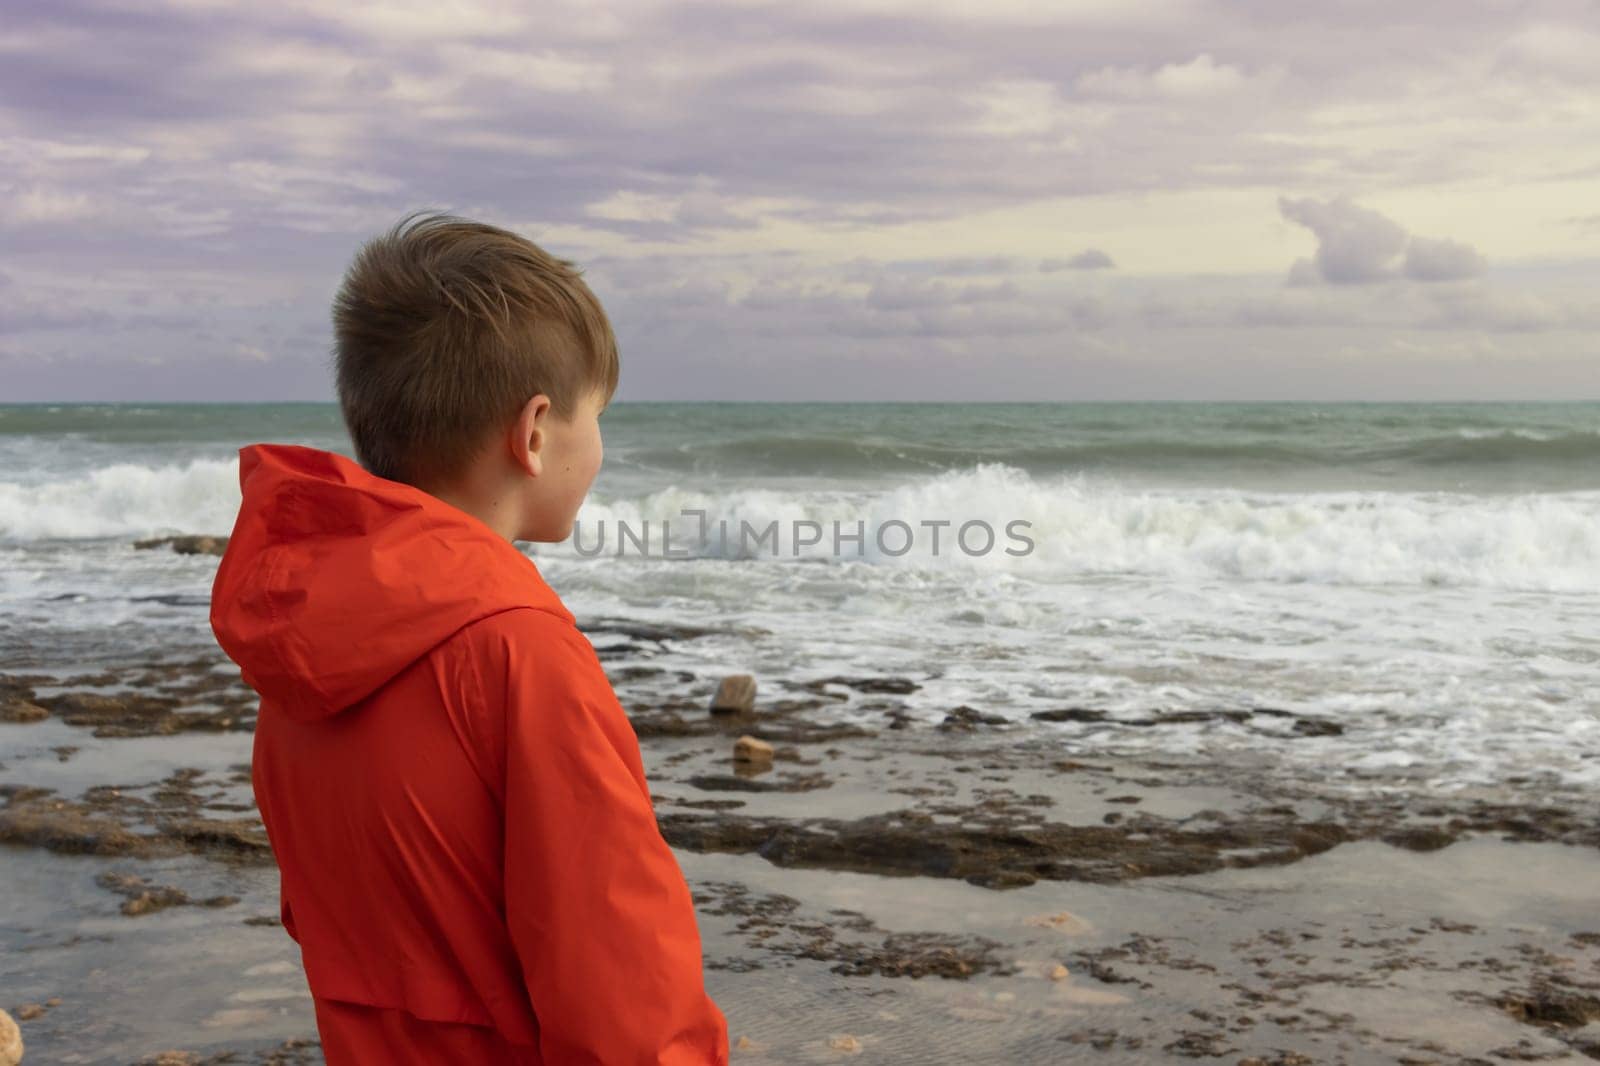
(470, 859)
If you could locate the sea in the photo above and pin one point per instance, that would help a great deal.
(1426, 578)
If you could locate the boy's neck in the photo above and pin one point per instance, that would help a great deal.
(489, 507)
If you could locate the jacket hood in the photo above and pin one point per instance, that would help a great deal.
(335, 580)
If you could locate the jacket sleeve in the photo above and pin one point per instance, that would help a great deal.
(598, 909)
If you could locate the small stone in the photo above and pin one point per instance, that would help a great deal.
(735, 695)
(1062, 922)
(190, 544)
(847, 1044)
(10, 1041)
(29, 1011)
(1059, 972)
(749, 750)
(150, 902)
(744, 1043)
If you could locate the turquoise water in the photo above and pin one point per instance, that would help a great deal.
(1469, 447)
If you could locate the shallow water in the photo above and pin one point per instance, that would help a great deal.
(202, 980)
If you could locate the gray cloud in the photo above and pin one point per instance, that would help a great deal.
(1357, 245)
(181, 184)
(1440, 259)
(1089, 259)
(1354, 244)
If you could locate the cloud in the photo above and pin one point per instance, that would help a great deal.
(1441, 259)
(1357, 245)
(183, 167)
(1200, 77)
(1561, 50)
(1354, 244)
(1089, 259)
(896, 294)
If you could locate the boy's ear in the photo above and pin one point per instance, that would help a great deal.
(528, 434)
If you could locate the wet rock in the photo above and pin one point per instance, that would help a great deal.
(1200, 1045)
(157, 899)
(1072, 766)
(1419, 838)
(917, 955)
(784, 783)
(1103, 1039)
(116, 716)
(235, 839)
(111, 823)
(749, 750)
(17, 709)
(1069, 714)
(142, 898)
(710, 804)
(21, 686)
(965, 719)
(637, 630)
(806, 732)
(661, 725)
(736, 694)
(1317, 727)
(1552, 1006)
(1002, 853)
(60, 826)
(188, 544)
(145, 898)
(10, 1041)
(898, 686)
(29, 1011)
(775, 924)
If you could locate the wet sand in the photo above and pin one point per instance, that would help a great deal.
(947, 891)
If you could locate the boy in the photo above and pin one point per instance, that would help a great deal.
(470, 859)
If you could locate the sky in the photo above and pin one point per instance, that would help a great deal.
(831, 200)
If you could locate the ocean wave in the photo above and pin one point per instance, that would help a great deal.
(1086, 527)
(1467, 447)
(1078, 526)
(781, 454)
(124, 500)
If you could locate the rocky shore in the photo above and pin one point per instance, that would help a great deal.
(875, 878)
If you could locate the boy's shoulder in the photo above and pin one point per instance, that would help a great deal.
(521, 628)
(528, 644)
(540, 686)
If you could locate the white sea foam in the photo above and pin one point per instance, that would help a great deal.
(1075, 526)
(124, 500)
(1078, 526)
